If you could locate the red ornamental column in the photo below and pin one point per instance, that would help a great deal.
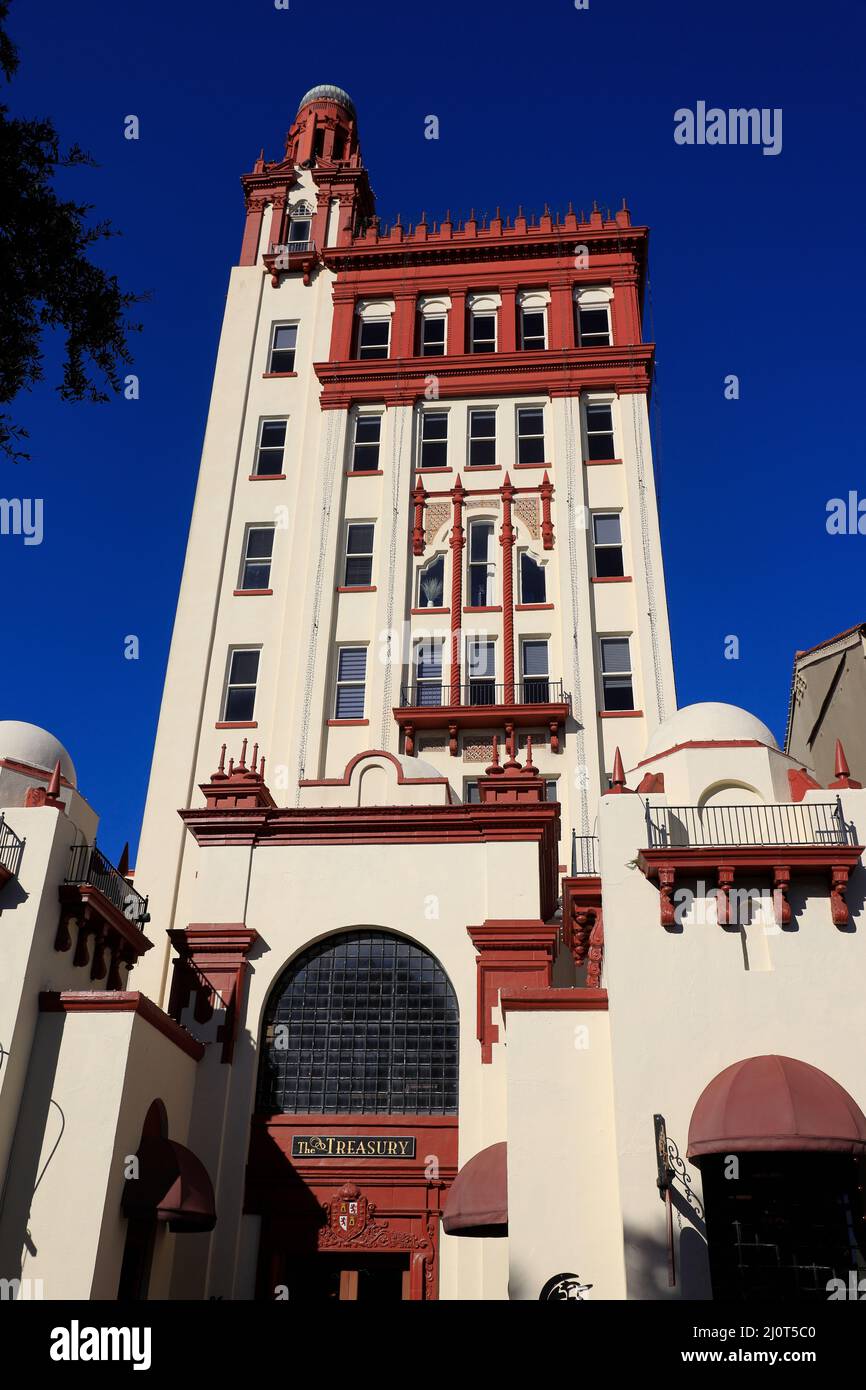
(546, 491)
(506, 540)
(418, 498)
(561, 316)
(403, 343)
(625, 309)
(277, 217)
(341, 330)
(508, 321)
(457, 323)
(457, 542)
(252, 231)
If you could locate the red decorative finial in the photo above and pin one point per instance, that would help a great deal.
(255, 757)
(123, 861)
(222, 763)
(843, 772)
(617, 779)
(54, 784)
(243, 761)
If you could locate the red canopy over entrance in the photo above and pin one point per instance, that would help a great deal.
(771, 1103)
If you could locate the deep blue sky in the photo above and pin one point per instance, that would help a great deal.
(756, 269)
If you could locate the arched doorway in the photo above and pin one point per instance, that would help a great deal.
(354, 1136)
(781, 1150)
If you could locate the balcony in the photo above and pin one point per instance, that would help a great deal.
(11, 850)
(483, 704)
(287, 256)
(779, 839)
(107, 910)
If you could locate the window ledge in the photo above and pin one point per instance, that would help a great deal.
(483, 467)
(612, 579)
(364, 473)
(595, 463)
(346, 723)
(487, 608)
(434, 470)
(355, 589)
(425, 611)
(267, 477)
(252, 593)
(530, 607)
(269, 376)
(620, 714)
(237, 724)
(533, 465)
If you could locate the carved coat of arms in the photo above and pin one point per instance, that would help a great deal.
(348, 1212)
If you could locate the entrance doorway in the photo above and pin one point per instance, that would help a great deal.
(376, 1278)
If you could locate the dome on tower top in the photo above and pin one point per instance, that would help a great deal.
(34, 747)
(328, 92)
(708, 722)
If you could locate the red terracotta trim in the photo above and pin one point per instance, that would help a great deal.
(491, 608)
(425, 611)
(121, 1001)
(434, 470)
(593, 463)
(828, 641)
(26, 770)
(533, 465)
(269, 376)
(483, 467)
(346, 723)
(620, 714)
(363, 473)
(713, 743)
(254, 724)
(267, 478)
(612, 579)
(252, 593)
(402, 779)
(355, 589)
(530, 1000)
(531, 607)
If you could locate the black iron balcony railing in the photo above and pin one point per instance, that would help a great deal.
(584, 855)
(537, 690)
(697, 827)
(89, 865)
(11, 850)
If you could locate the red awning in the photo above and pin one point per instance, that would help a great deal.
(172, 1186)
(773, 1104)
(477, 1204)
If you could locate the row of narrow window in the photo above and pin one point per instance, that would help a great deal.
(433, 442)
(535, 685)
(373, 335)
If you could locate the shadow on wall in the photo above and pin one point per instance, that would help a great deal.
(647, 1263)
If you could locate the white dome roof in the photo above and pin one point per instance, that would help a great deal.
(27, 743)
(708, 722)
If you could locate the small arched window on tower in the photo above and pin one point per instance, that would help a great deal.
(364, 1023)
(339, 142)
(300, 225)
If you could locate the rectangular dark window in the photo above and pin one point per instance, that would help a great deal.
(533, 334)
(536, 672)
(616, 675)
(428, 672)
(284, 341)
(351, 675)
(550, 789)
(530, 434)
(374, 336)
(471, 794)
(481, 668)
(258, 550)
(432, 337)
(271, 449)
(593, 328)
(482, 569)
(240, 696)
(599, 432)
(482, 438)
(434, 439)
(483, 332)
(365, 454)
(607, 544)
(299, 231)
(359, 555)
(533, 579)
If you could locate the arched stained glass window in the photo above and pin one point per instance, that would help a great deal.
(365, 1024)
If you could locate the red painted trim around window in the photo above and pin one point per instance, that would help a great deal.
(270, 375)
(533, 465)
(612, 579)
(531, 607)
(346, 723)
(593, 463)
(429, 610)
(434, 470)
(483, 467)
(267, 477)
(252, 593)
(487, 609)
(355, 589)
(363, 473)
(254, 724)
(620, 714)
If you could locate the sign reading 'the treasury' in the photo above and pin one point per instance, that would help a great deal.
(352, 1146)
